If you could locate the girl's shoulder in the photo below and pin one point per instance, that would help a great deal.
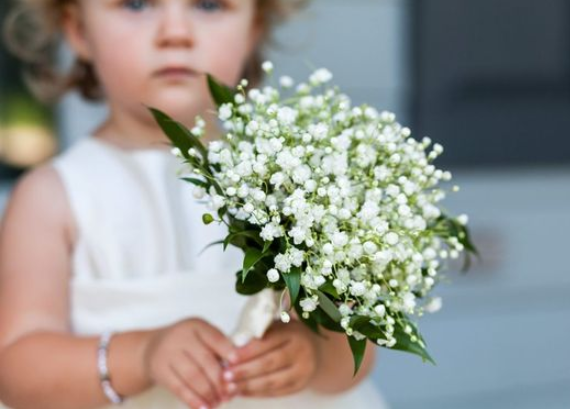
(38, 203)
(41, 196)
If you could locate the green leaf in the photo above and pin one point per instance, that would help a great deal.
(183, 139)
(293, 281)
(180, 136)
(221, 94)
(358, 349)
(404, 341)
(325, 321)
(266, 246)
(210, 245)
(465, 239)
(197, 182)
(252, 257)
(222, 212)
(172, 131)
(450, 227)
(207, 218)
(329, 307)
(310, 322)
(365, 326)
(252, 234)
(330, 289)
(254, 282)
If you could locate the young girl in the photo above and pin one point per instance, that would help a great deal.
(104, 297)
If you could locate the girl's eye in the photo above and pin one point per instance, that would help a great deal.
(209, 5)
(135, 5)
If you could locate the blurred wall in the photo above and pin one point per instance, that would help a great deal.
(492, 80)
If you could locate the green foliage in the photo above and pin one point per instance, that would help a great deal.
(219, 92)
(358, 348)
(405, 342)
(253, 283)
(293, 281)
(239, 239)
(366, 327)
(329, 307)
(447, 227)
(197, 182)
(252, 257)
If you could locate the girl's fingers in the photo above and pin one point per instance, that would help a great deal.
(210, 366)
(288, 390)
(218, 343)
(281, 379)
(194, 378)
(178, 386)
(272, 361)
(260, 347)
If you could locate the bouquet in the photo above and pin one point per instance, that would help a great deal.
(335, 206)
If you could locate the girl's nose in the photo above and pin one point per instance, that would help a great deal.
(174, 26)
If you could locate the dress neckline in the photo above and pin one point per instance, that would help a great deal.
(150, 151)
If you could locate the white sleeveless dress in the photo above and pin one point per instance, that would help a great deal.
(136, 262)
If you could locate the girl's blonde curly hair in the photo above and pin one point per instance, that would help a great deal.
(32, 31)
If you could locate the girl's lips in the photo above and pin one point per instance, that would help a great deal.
(175, 72)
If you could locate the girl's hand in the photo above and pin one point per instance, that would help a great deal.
(283, 362)
(187, 358)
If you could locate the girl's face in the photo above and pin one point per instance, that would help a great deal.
(155, 52)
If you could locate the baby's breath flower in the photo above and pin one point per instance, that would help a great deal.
(463, 219)
(285, 317)
(344, 193)
(286, 81)
(320, 76)
(310, 303)
(225, 112)
(434, 305)
(273, 275)
(267, 66)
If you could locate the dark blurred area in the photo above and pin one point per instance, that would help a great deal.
(26, 126)
(492, 80)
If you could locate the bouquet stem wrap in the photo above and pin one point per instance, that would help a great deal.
(256, 316)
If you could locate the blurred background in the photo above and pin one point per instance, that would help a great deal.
(488, 79)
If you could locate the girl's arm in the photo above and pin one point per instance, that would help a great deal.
(41, 363)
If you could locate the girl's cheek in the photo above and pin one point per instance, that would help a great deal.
(229, 64)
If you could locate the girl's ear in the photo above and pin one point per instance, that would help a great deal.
(74, 30)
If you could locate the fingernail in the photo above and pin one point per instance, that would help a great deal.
(232, 387)
(228, 376)
(233, 358)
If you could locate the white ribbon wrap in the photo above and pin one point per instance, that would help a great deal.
(257, 315)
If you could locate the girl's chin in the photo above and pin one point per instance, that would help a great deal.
(180, 109)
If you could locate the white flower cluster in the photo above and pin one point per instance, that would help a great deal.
(352, 194)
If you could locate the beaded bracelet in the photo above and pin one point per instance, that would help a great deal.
(104, 377)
